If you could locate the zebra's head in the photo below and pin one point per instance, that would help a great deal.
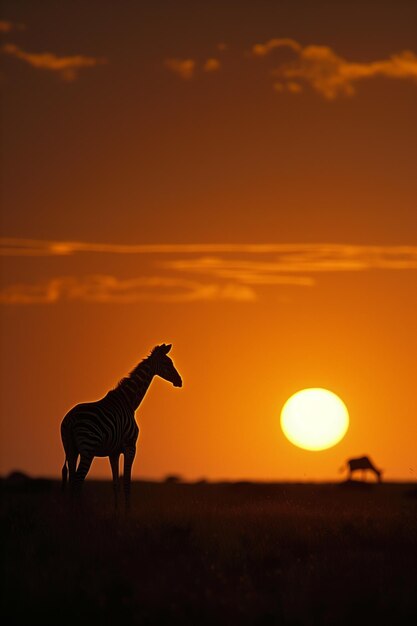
(164, 367)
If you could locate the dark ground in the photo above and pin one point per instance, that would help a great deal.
(218, 554)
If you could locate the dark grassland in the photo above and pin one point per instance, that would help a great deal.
(218, 554)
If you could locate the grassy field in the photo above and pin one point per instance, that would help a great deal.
(218, 554)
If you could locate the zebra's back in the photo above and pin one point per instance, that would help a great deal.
(361, 463)
(100, 428)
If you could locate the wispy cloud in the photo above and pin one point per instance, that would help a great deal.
(38, 247)
(264, 49)
(204, 272)
(188, 68)
(211, 65)
(314, 258)
(294, 66)
(8, 27)
(329, 74)
(109, 289)
(298, 265)
(304, 256)
(184, 68)
(240, 271)
(66, 66)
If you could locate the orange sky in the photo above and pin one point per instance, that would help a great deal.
(235, 178)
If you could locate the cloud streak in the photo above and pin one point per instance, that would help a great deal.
(37, 247)
(240, 271)
(307, 256)
(8, 27)
(297, 266)
(66, 66)
(188, 68)
(329, 74)
(184, 68)
(101, 288)
(211, 65)
(264, 49)
(198, 272)
(312, 259)
(316, 66)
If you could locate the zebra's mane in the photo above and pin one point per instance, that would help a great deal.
(154, 352)
(132, 373)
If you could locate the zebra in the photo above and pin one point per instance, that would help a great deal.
(108, 427)
(362, 463)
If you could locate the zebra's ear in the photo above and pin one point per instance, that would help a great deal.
(166, 347)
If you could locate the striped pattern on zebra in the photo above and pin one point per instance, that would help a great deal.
(108, 427)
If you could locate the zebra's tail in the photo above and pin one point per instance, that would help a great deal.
(64, 474)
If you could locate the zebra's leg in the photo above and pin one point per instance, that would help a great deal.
(114, 462)
(129, 456)
(82, 471)
(72, 467)
(71, 462)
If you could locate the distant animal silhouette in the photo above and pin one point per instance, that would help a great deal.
(108, 427)
(362, 463)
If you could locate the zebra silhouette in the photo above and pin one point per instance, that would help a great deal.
(362, 463)
(108, 427)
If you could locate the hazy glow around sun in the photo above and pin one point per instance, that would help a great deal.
(314, 419)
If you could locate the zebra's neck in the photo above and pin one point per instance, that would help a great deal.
(134, 386)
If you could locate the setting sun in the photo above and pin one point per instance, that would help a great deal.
(314, 419)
